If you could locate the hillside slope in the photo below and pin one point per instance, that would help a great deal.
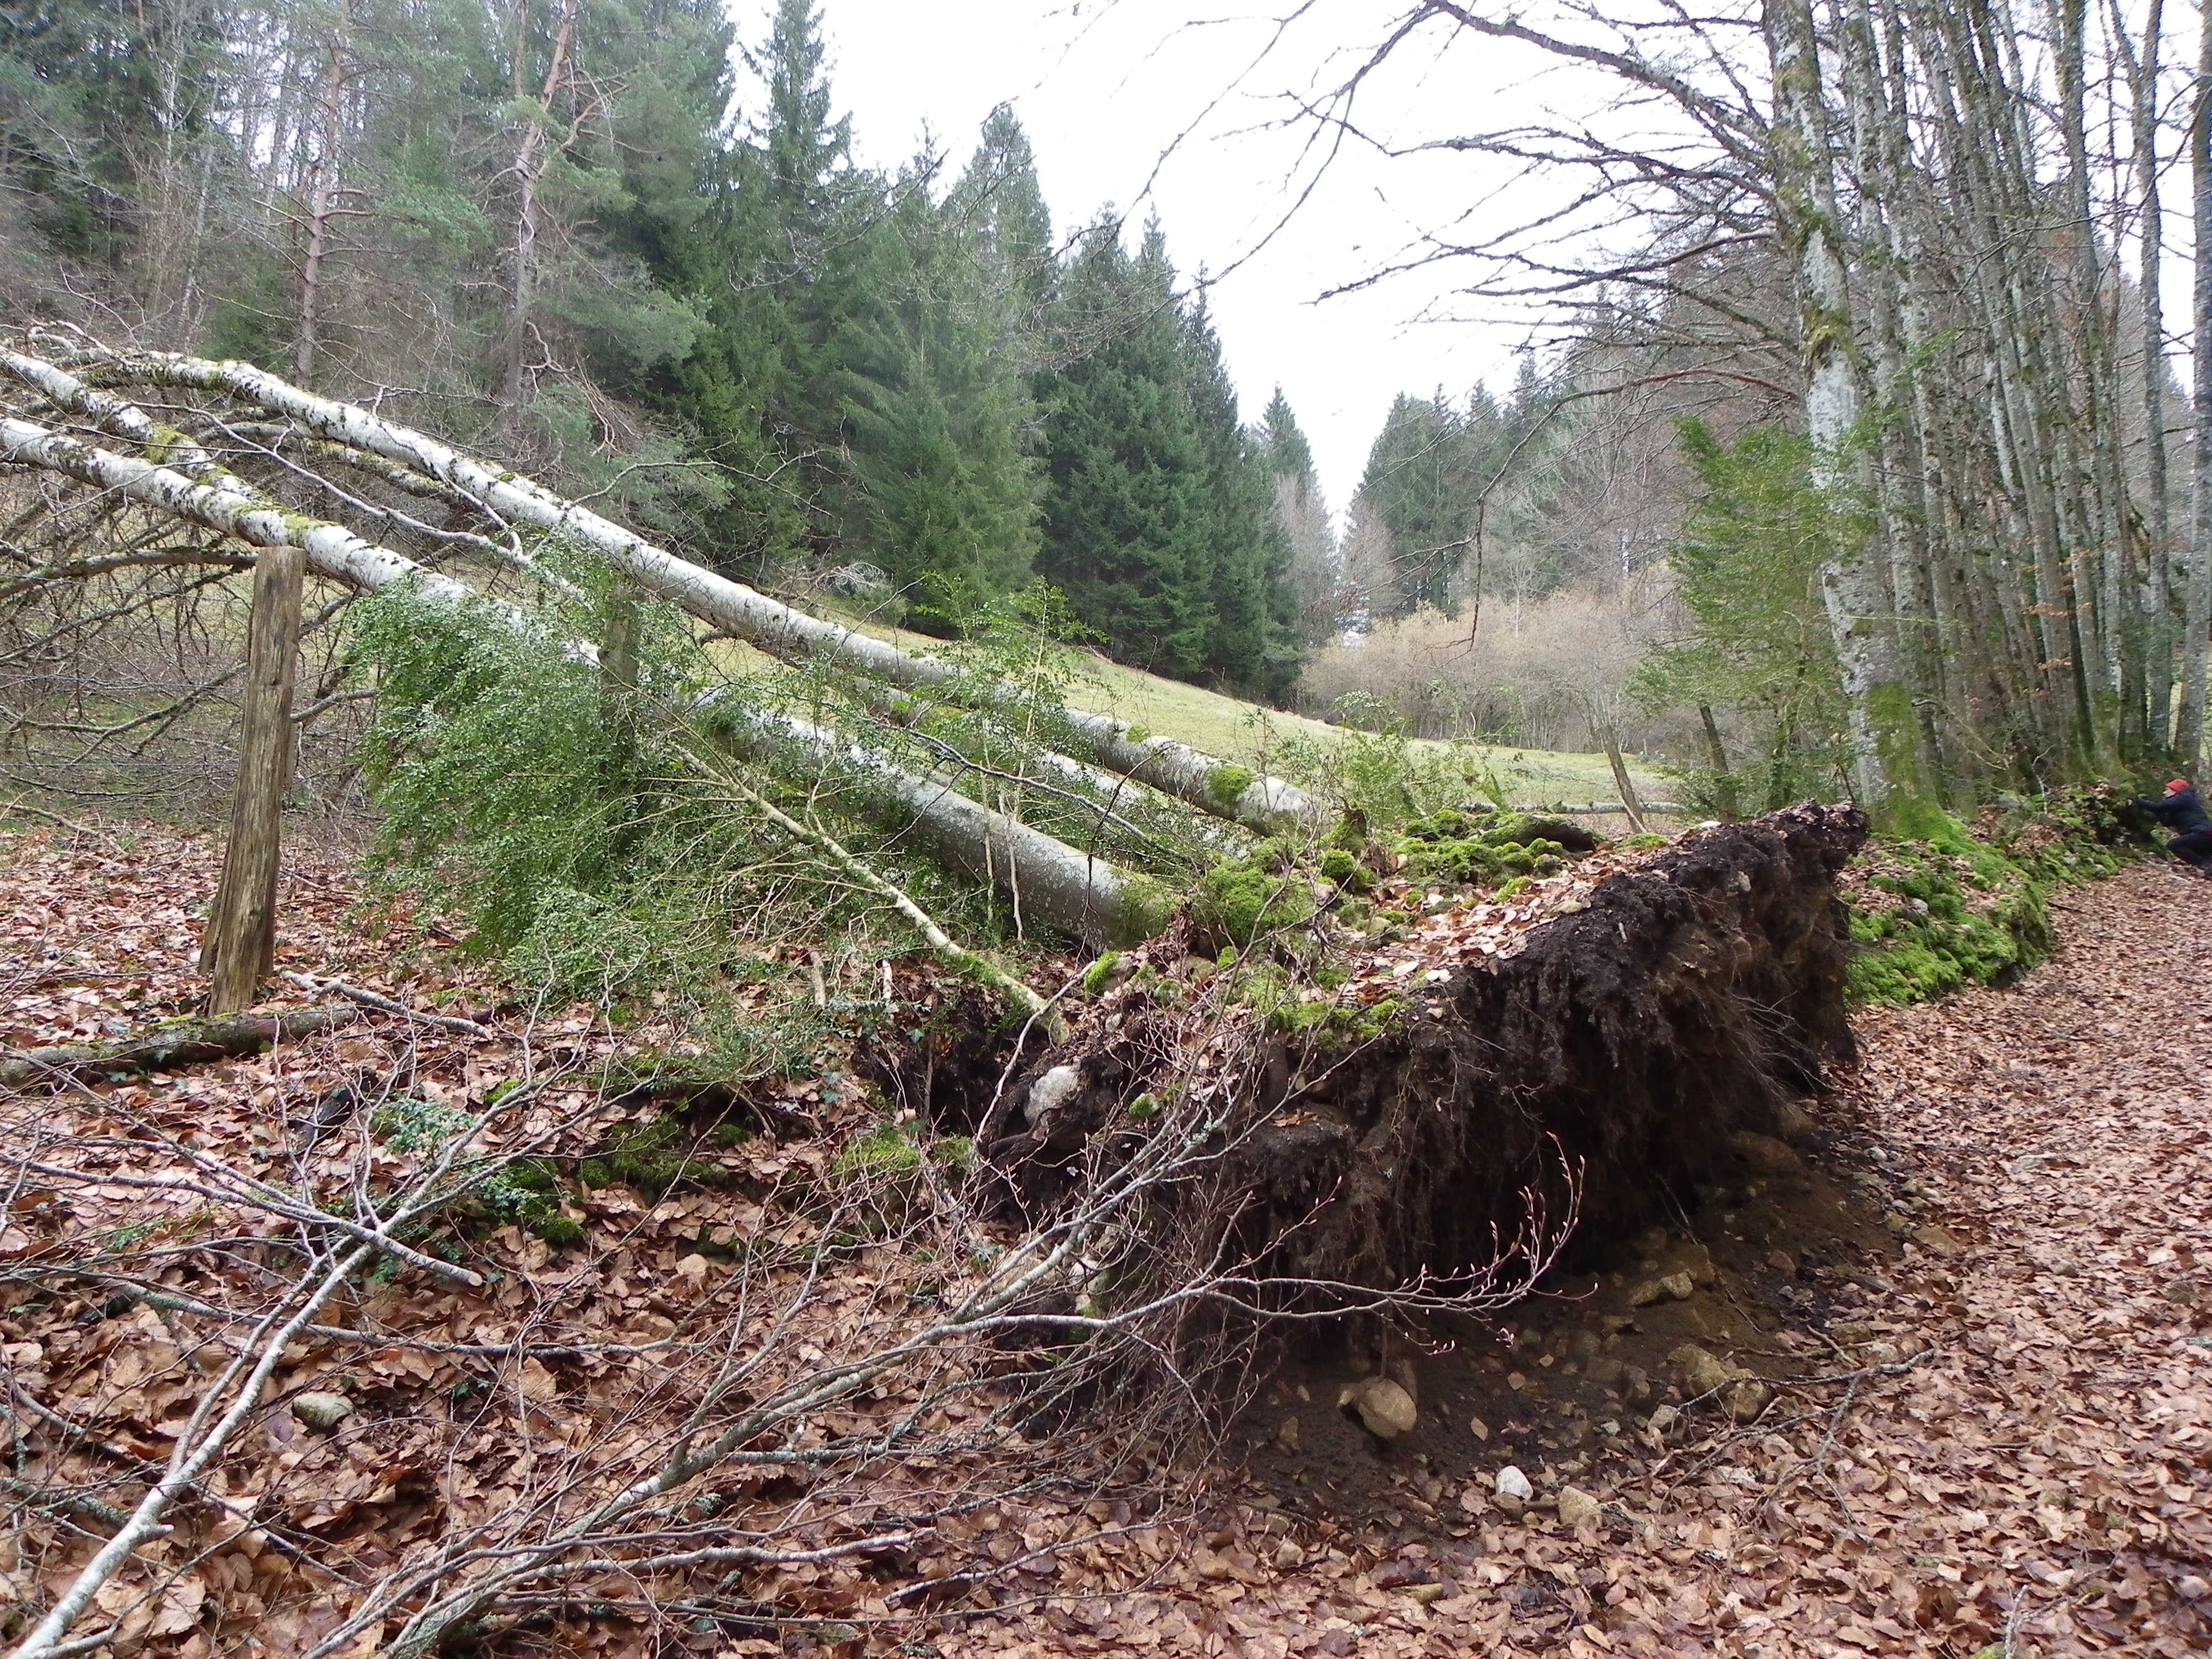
(1234, 729)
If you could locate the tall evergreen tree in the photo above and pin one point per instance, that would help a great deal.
(1001, 204)
(937, 404)
(1251, 643)
(778, 265)
(1303, 513)
(1126, 513)
(1282, 444)
(1415, 487)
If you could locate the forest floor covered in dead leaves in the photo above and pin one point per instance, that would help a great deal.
(1990, 1421)
(2005, 1443)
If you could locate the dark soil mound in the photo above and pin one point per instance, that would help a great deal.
(1617, 1048)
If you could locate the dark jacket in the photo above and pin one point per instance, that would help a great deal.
(2180, 812)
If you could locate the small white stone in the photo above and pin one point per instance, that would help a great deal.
(1509, 1482)
(1048, 1091)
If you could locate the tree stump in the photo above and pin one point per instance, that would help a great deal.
(239, 943)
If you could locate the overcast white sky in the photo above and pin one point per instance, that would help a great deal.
(1104, 87)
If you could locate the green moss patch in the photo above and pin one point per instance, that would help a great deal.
(1241, 901)
(1483, 849)
(1937, 912)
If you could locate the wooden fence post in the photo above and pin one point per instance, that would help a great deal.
(239, 943)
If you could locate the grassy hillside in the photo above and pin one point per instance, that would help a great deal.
(1235, 730)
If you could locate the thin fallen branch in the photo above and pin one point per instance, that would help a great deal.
(195, 1451)
(384, 1004)
(864, 875)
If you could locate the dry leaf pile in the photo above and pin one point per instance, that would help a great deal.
(2000, 1433)
(1994, 1430)
(766, 1336)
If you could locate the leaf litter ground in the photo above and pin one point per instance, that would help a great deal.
(1979, 1295)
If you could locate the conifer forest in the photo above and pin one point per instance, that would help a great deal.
(748, 906)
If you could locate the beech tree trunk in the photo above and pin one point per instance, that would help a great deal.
(2142, 69)
(2189, 741)
(1888, 773)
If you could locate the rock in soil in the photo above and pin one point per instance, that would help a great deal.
(1385, 1409)
(322, 1411)
(1734, 1389)
(1577, 1508)
(1674, 1287)
(1764, 1155)
(1937, 1241)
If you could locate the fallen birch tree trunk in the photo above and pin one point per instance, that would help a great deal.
(1056, 884)
(1263, 803)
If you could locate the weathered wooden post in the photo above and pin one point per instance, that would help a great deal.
(241, 940)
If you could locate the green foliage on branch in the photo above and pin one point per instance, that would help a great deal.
(1748, 569)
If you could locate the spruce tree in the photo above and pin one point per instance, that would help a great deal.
(1126, 508)
(1416, 486)
(936, 404)
(1000, 204)
(1303, 513)
(1251, 645)
(1282, 444)
(778, 268)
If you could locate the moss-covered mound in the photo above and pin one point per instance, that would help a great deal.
(1932, 921)
(1936, 914)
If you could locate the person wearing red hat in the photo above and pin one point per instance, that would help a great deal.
(2180, 811)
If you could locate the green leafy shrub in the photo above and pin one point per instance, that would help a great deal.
(409, 1125)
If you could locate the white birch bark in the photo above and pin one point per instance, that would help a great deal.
(1266, 803)
(1057, 885)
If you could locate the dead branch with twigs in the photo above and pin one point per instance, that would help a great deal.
(839, 1375)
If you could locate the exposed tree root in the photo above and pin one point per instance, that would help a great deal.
(1618, 1049)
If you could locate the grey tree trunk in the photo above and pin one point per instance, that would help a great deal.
(2189, 740)
(239, 943)
(1888, 771)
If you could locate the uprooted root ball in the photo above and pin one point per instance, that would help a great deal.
(1610, 1048)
